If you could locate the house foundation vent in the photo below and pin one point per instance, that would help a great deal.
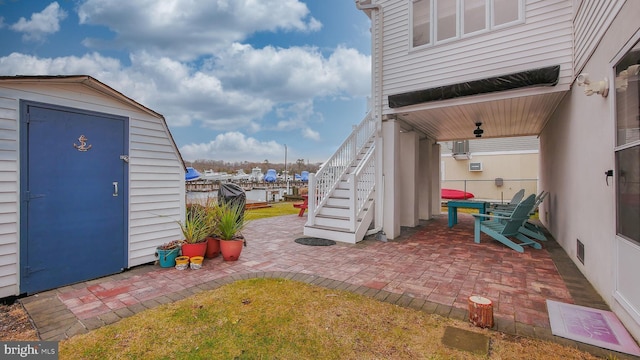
(580, 251)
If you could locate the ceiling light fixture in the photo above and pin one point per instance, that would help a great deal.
(478, 132)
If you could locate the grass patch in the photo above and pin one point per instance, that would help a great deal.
(283, 319)
(276, 209)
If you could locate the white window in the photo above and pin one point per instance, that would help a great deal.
(436, 21)
(446, 20)
(505, 12)
(627, 151)
(475, 15)
(421, 22)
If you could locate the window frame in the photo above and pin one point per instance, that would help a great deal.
(619, 147)
(433, 28)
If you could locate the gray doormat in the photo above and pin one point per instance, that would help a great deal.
(466, 340)
(313, 241)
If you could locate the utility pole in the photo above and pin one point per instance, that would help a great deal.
(286, 174)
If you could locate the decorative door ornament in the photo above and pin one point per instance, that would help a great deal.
(83, 144)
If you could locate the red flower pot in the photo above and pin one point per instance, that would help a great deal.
(231, 249)
(197, 249)
(213, 248)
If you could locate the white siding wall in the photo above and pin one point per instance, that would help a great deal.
(9, 196)
(545, 39)
(592, 19)
(156, 173)
(576, 148)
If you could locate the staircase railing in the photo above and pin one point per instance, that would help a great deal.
(362, 182)
(322, 183)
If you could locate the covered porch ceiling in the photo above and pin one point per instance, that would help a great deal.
(509, 114)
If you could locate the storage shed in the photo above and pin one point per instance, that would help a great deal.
(91, 182)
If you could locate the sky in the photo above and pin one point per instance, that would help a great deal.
(236, 80)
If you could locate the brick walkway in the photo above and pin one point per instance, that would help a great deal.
(430, 268)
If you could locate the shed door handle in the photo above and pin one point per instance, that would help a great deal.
(115, 188)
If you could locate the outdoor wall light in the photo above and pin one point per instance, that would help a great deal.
(598, 87)
(478, 132)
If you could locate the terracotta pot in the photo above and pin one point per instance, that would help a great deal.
(213, 248)
(197, 249)
(231, 249)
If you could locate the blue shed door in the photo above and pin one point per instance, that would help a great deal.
(73, 189)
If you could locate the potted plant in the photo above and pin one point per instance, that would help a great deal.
(195, 230)
(213, 240)
(167, 253)
(230, 223)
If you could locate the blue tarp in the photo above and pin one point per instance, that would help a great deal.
(304, 176)
(271, 176)
(192, 174)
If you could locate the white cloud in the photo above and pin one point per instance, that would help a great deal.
(299, 116)
(218, 96)
(235, 92)
(93, 64)
(186, 29)
(232, 146)
(182, 94)
(41, 24)
(309, 133)
(294, 74)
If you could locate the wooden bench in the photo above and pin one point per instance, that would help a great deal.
(302, 206)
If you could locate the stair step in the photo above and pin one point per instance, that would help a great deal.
(338, 202)
(335, 211)
(331, 233)
(331, 228)
(341, 207)
(343, 193)
(332, 220)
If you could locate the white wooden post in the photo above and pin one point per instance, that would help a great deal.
(311, 200)
(353, 189)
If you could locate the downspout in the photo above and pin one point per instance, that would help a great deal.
(376, 57)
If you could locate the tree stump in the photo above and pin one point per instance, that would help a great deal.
(480, 311)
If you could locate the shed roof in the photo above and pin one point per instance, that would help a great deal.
(96, 85)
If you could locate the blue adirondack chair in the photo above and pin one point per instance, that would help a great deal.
(528, 228)
(515, 200)
(505, 228)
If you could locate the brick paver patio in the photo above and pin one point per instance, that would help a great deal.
(430, 268)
